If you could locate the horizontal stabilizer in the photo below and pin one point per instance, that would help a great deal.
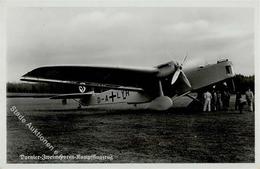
(73, 96)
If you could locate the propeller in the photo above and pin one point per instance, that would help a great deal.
(185, 79)
(175, 76)
(179, 73)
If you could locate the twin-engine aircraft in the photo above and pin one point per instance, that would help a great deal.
(157, 87)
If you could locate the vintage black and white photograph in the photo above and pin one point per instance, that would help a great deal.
(130, 84)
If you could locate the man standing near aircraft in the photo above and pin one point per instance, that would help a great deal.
(225, 99)
(207, 101)
(214, 99)
(249, 99)
(219, 101)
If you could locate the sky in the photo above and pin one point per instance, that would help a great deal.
(127, 36)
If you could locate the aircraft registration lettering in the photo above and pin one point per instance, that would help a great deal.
(125, 94)
(124, 97)
(98, 99)
(112, 96)
(117, 95)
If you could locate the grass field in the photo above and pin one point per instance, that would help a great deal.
(174, 136)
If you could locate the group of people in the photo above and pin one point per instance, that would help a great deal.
(219, 100)
(240, 101)
(216, 100)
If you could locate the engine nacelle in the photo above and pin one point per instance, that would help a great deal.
(161, 103)
(166, 69)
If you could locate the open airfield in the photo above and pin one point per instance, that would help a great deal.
(178, 135)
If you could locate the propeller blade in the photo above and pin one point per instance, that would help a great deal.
(184, 59)
(175, 76)
(185, 79)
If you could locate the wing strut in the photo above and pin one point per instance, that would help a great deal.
(160, 89)
(194, 98)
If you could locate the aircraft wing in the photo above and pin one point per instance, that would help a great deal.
(35, 95)
(209, 75)
(51, 96)
(106, 77)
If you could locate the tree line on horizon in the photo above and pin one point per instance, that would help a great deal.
(242, 83)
